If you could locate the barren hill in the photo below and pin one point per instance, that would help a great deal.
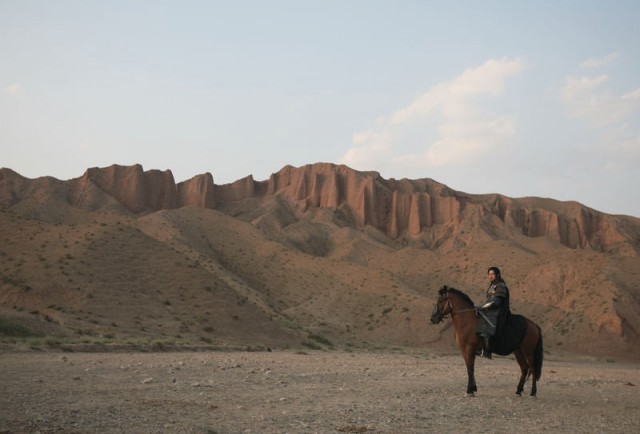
(319, 255)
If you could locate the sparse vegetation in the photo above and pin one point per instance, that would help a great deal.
(11, 329)
(311, 345)
(289, 324)
(320, 339)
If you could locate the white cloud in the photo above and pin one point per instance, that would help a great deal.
(589, 99)
(445, 124)
(599, 62)
(633, 95)
(620, 153)
(612, 118)
(576, 86)
(12, 88)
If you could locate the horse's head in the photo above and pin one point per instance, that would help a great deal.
(442, 307)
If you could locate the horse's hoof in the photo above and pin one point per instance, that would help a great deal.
(534, 397)
(519, 395)
(470, 395)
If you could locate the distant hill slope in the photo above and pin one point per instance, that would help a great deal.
(319, 255)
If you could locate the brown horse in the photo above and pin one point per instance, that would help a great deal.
(464, 317)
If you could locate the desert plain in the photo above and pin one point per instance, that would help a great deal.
(307, 392)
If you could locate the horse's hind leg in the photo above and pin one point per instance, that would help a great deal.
(524, 370)
(534, 374)
(534, 386)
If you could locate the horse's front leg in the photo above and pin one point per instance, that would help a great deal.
(470, 360)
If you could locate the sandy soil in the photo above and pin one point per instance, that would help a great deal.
(319, 392)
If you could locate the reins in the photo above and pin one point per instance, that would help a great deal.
(452, 313)
(463, 310)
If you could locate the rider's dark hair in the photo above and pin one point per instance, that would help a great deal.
(495, 270)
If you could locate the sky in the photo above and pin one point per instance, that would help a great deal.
(518, 98)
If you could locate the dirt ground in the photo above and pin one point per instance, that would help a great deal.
(317, 392)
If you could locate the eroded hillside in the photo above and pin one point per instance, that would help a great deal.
(316, 256)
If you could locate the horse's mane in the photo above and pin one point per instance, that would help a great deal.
(462, 295)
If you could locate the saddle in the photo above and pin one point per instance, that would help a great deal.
(507, 339)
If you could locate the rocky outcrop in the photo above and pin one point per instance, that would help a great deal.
(134, 188)
(407, 209)
(198, 191)
(131, 187)
(411, 208)
(13, 187)
(569, 223)
(394, 207)
(244, 188)
(138, 190)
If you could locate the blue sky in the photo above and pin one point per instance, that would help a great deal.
(537, 99)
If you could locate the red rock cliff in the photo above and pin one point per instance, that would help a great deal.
(198, 191)
(138, 190)
(399, 208)
(408, 208)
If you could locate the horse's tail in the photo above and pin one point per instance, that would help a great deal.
(538, 355)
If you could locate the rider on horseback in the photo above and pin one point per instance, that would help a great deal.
(495, 312)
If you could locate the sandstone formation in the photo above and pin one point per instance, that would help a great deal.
(401, 209)
(411, 208)
(198, 191)
(134, 188)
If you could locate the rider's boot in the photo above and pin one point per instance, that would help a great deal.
(479, 351)
(486, 350)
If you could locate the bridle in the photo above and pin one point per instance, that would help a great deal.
(451, 312)
(448, 308)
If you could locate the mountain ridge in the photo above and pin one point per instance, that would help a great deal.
(399, 208)
(313, 255)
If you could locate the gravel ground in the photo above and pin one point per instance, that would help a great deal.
(319, 392)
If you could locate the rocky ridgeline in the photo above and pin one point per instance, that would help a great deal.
(399, 208)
